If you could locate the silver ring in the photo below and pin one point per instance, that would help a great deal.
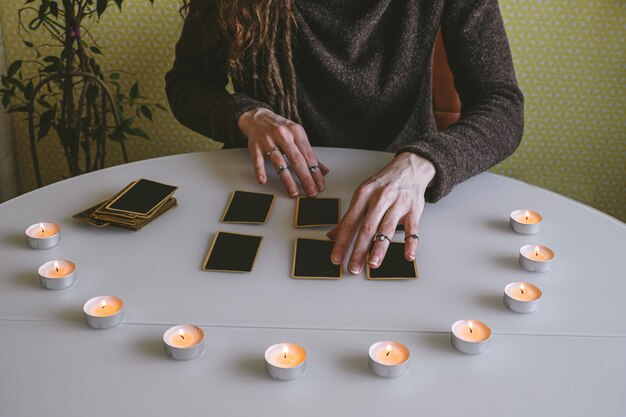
(314, 168)
(414, 236)
(381, 237)
(281, 169)
(275, 148)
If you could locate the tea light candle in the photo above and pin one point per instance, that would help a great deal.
(184, 342)
(471, 336)
(57, 274)
(285, 361)
(536, 258)
(389, 359)
(104, 311)
(43, 235)
(525, 222)
(522, 297)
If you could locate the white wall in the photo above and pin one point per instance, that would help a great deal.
(8, 154)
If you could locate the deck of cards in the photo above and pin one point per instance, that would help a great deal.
(135, 206)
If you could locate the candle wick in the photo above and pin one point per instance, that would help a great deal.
(388, 352)
(57, 268)
(522, 290)
(471, 331)
(182, 336)
(285, 355)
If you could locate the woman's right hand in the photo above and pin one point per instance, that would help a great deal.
(279, 139)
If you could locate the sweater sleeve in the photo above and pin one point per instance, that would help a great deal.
(492, 115)
(196, 89)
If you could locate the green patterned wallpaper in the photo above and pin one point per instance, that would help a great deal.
(570, 61)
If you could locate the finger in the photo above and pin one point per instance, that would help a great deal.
(258, 161)
(297, 159)
(280, 165)
(346, 229)
(368, 230)
(411, 229)
(324, 169)
(332, 234)
(313, 165)
(387, 228)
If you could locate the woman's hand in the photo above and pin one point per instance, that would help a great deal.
(279, 139)
(394, 195)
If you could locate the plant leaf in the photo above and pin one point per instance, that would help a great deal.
(137, 132)
(145, 110)
(54, 9)
(14, 68)
(134, 91)
(101, 6)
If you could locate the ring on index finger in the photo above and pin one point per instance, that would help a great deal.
(314, 168)
(281, 169)
(380, 237)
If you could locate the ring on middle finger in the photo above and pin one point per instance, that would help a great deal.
(380, 237)
(275, 148)
(281, 169)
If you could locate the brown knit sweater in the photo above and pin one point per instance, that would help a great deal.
(364, 81)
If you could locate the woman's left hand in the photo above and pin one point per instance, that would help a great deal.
(394, 195)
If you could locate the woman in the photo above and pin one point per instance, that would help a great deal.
(351, 73)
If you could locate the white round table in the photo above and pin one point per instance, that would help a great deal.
(566, 359)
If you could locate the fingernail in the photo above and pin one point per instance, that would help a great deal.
(335, 259)
(322, 188)
(411, 257)
(295, 194)
(312, 192)
(354, 268)
(374, 261)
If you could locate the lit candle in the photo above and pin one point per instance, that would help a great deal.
(522, 297)
(285, 361)
(184, 342)
(57, 274)
(525, 222)
(536, 258)
(471, 336)
(43, 235)
(104, 311)
(389, 359)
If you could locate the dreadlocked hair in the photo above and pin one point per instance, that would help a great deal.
(256, 38)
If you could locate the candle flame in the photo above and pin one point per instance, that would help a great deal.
(181, 333)
(43, 230)
(527, 214)
(388, 350)
(521, 288)
(537, 251)
(470, 326)
(103, 304)
(285, 351)
(56, 266)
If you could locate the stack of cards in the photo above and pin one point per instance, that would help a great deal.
(135, 206)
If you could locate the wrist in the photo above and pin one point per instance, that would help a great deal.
(245, 120)
(424, 167)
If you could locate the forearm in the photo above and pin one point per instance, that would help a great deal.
(196, 86)
(208, 110)
(492, 120)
